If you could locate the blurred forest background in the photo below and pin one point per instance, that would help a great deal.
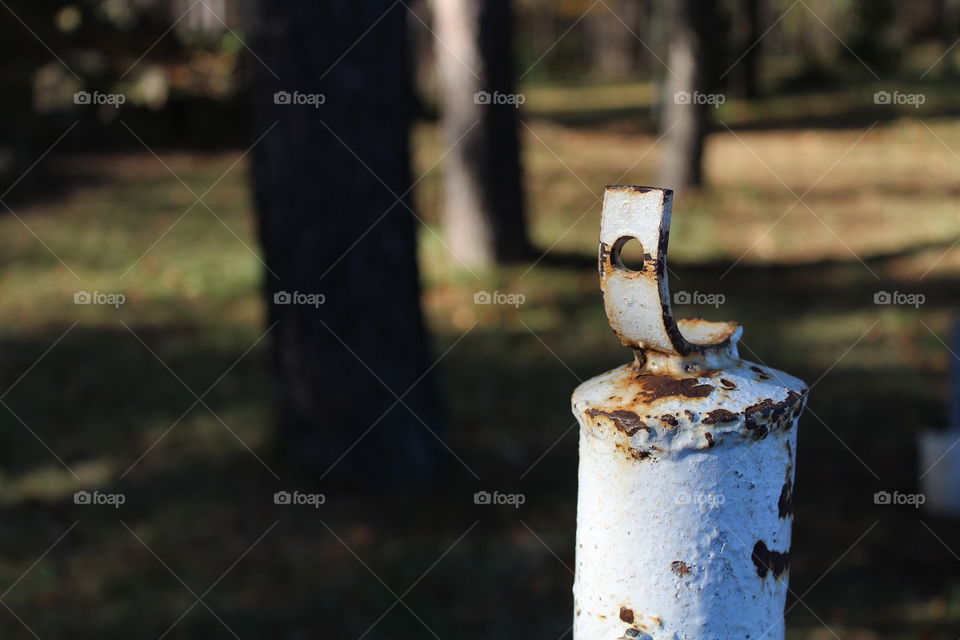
(823, 171)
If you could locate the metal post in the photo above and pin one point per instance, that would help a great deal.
(686, 461)
(939, 453)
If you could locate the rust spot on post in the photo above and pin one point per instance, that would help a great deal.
(604, 258)
(785, 504)
(626, 615)
(767, 561)
(626, 421)
(766, 413)
(719, 415)
(680, 568)
(639, 454)
(655, 387)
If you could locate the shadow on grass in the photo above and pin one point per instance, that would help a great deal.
(199, 500)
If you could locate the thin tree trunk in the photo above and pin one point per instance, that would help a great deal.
(484, 216)
(950, 18)
(327, 182)
(691, 77)
(751, 45)
(613, 38)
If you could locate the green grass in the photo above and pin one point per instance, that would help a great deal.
(199, 498)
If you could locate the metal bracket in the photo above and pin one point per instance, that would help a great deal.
(638, 301)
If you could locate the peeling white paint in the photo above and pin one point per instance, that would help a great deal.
(687, 465)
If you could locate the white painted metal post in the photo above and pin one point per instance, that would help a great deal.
(686, 462)
(939, 453)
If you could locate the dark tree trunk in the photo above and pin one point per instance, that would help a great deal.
(614, 48)
(484, 215)
(751, 44)
(692, 49)
(327, 183)
(949, 22)
(423, 59)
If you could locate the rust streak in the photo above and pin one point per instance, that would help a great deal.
(785, 504)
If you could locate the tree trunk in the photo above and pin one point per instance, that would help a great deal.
(751, 45)
(484, 216)
(614, 48)
(950, 18)
(684, 118)
(327, 182)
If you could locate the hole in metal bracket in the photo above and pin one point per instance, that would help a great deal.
(627, 253)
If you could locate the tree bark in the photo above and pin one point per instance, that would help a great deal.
(484, 214)
(331, 185)
(691, 77)
(751, 45)
(950, 19)
(614, 48)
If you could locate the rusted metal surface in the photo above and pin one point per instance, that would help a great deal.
(686, 461)
(638, 301)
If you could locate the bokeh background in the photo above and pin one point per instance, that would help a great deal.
(817, 194)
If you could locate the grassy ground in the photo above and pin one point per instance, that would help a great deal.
(95, 411)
